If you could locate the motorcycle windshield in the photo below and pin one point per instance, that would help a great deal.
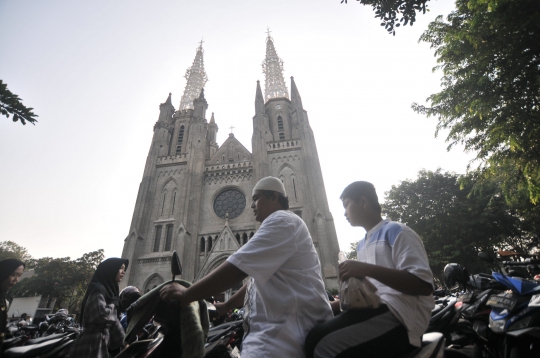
(518, 284)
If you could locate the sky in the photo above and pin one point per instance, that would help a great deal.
(96, 71)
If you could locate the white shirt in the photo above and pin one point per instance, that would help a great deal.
(285, 297)
(394, 245)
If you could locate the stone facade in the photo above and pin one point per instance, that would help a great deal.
(195, 196)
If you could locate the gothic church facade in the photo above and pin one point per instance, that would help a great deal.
(195, 195)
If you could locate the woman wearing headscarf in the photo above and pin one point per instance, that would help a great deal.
(102, 332)
(10, 272)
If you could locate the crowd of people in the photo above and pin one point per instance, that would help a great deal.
(287, 311)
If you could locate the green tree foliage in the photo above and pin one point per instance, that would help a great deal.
(517, 203)
(454, 222)
(351, 255)
(61, 278)
(489, 53)
(389, 11)
(11, 250)
(10, 103)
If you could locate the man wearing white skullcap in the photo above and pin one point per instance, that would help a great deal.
(284, 296)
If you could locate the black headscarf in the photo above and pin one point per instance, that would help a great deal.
(7, 267)
(104, 280)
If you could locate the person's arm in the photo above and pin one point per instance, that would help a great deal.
(237, 300)
(399, 280)
(219, 280)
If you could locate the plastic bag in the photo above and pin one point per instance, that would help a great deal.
(357, 293)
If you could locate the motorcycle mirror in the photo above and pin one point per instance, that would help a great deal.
(176, 267)
(484, 256)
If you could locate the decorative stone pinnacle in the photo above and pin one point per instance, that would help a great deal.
(273, 69)
(196, 79)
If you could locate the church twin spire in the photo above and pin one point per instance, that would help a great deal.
(196, 79)
(273, 69)
(272, 65)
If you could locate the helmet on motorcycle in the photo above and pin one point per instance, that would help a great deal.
(454, 273)
(127, 296)
(61, 313)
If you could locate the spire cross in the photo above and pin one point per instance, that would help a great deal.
(200, 43)
(268, 31)
(231, 128)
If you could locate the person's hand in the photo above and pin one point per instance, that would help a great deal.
(537, 277)
(221, 308)
(336, 307)
(353, 268)
(174, 291)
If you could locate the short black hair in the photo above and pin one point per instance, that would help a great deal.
(282, 199)
(358, 189)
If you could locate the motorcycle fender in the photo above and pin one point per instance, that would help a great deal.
(531, 331)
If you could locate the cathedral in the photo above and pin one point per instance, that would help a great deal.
(195, 195)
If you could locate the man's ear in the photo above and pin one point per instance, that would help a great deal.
(363, 202)
(275, 197)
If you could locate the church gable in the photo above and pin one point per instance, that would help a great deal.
(225, 245)
(231, 151)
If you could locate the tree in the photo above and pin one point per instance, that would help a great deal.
(11, 103)
(61, 278)
(352, 255)
(11, 250)
(489, 53)
(390, 10)
(453, 222)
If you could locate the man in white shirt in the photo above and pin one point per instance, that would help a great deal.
(393, 258)
(284, 297)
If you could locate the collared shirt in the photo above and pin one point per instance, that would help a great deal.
(396, 246)
(285, 297)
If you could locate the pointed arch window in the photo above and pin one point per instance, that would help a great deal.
(238, 239)
(210, 242)
(202, 244)
(244, 239)
(163, 204)
(180, 140)
(168, 238)
(294, 187)
(157, 238)
(173, 202)
(280, 124)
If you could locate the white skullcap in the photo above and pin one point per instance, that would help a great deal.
(270, 183)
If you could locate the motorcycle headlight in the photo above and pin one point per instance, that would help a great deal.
(522, 323)
(497, 326)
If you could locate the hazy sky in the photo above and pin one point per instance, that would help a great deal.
(96, 71)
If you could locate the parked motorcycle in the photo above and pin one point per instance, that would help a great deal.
(515, 316)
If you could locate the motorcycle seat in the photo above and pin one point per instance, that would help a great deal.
(440, 314)
(47, 338)
(10, 342)
(63, 347)
(34, 350)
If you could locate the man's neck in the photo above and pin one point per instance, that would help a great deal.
(372, 222)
